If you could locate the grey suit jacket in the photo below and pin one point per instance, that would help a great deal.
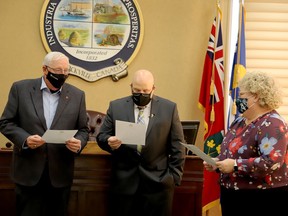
(160, 164)
(24, 116)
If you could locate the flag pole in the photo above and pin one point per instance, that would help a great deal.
(236, 66)
(212, 84)
(239, 32)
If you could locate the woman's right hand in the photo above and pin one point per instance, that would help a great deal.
(210, 167)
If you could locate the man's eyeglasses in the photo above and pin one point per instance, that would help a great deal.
(59, 70)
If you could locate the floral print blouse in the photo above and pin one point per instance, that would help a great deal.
(260, 149)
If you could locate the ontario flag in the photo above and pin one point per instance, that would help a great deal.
(238, 68)
(211, 102)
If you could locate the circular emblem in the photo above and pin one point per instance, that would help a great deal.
(100, 37)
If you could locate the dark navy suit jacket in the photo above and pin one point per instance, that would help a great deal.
(160, 164)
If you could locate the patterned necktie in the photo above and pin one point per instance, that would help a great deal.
(140, 120)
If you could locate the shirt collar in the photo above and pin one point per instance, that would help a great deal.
(147, 106)
(44, 86)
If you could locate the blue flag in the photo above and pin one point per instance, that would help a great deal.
(238, 68)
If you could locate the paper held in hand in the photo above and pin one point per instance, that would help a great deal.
(200, 153)
(58, 136)
(131, 133)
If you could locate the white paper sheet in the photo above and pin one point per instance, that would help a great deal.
(200, 153)
(131, 133)
(58, 136)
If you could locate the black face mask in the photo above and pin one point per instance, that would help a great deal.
(57, 80)
(141, 99)
(242, 104)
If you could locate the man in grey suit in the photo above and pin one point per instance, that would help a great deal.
(143, 179)
(43, 172)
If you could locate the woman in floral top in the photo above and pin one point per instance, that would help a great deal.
(253, 159)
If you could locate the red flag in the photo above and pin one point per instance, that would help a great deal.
(211, 102)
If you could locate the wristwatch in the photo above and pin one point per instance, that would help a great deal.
(235, 167)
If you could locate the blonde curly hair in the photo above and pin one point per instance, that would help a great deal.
(264, 86)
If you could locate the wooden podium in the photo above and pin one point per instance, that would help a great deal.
(90, 186)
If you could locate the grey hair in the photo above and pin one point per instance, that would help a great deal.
(53, 56)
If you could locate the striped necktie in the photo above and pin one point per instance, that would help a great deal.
(140, 120)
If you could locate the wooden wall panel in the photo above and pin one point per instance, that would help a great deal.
(89, 193)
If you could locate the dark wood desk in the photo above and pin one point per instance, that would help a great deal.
(89, 190)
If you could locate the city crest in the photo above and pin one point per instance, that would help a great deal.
(100, 37)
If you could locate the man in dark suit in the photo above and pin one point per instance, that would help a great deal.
(43, 172)
(143, 179)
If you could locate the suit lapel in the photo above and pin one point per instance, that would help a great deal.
(130, 110)
(37, 101)
(153, 111)
(63, 101)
